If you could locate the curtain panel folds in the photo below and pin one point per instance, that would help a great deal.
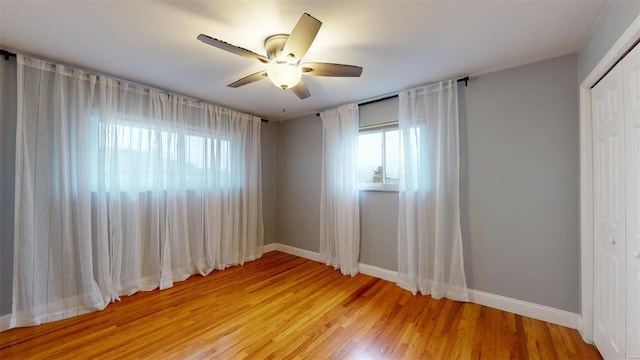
(340, 201)
(121, 189)
(430, 258)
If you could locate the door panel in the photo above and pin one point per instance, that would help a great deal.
(631, 73)
(609, 209)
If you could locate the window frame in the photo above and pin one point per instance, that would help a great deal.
(188, 131)
(380, 128)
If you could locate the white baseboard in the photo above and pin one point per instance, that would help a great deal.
(269, 247)
(524, 308)
(306, 254)
(378, 272)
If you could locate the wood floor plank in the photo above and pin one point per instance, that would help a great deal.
(285, 307)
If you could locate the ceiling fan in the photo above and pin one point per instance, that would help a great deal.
(283, 60)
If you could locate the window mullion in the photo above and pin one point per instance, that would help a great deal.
(384, 158)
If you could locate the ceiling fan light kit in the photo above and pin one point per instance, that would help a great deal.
(284, 75)
(284, 53)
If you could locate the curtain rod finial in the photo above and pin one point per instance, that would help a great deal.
(6, 54)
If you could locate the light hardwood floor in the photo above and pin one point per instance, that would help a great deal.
(285, 307)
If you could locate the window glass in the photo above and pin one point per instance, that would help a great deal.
(392, 157)
(379, 158)
(370, 158)
(142, 158)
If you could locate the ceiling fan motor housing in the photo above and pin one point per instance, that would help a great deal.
(274, 46)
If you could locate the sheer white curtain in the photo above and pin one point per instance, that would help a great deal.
(339, 202)
(430, 256)
(120, 189)
(180, 184)
(55, 275)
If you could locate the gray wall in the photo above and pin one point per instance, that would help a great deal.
(519, 132)
(522, 187)
(378, 209)
(8, 105)
(614, 21)
(298, 182)
(520, 176)
(379, 229)
(269, 141)
(298, 201)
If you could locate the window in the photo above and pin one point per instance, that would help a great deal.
(379, 157)
(139, 157)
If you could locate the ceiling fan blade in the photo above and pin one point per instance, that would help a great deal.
(232, 48)
(301, 90)
(301, 37)
(249, 79)
(328, 69)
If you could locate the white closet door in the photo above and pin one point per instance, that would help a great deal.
(609, 215)
(631, 73)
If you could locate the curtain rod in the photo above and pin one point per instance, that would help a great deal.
(6, 54)
(465, 79)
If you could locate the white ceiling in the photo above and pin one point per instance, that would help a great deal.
(400, 44)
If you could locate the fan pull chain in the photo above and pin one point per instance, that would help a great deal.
(282, 104)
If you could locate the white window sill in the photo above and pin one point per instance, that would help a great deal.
(382, 188)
